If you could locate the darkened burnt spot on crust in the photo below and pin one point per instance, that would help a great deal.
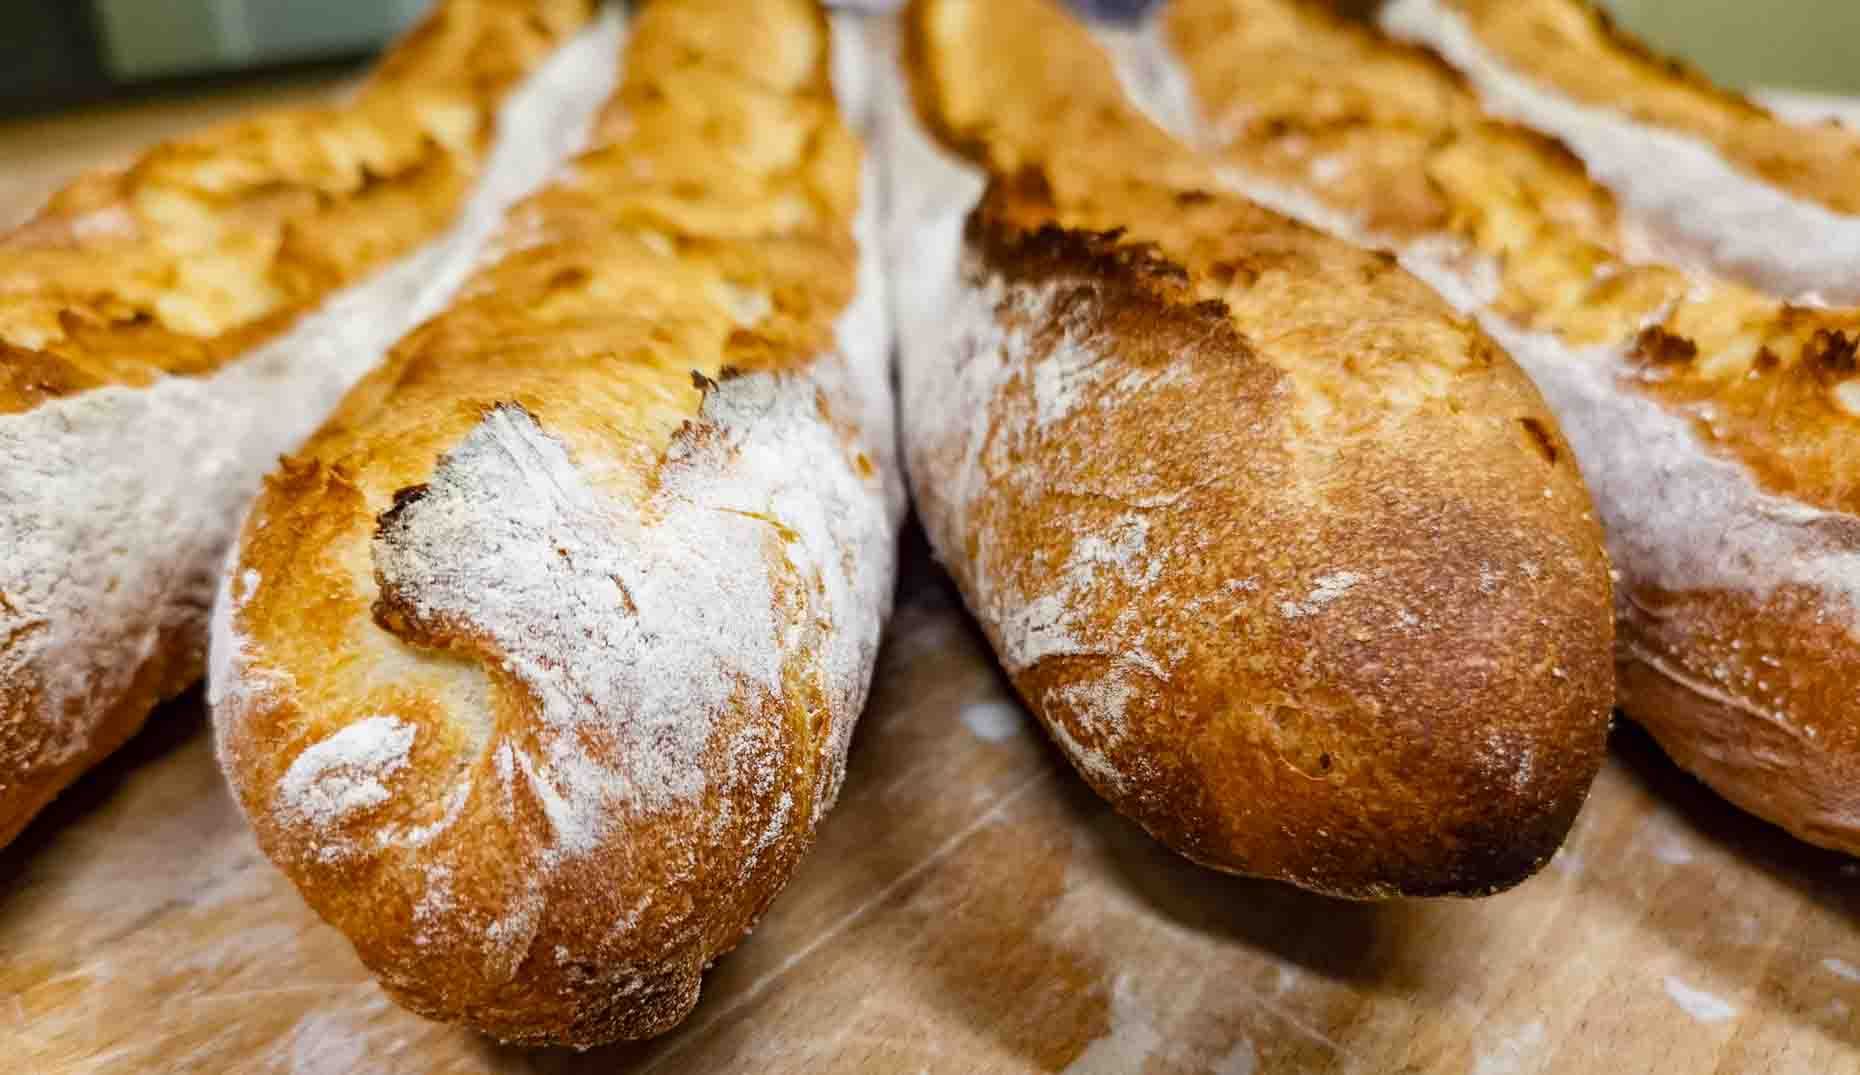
(393, 611)
(707, 385)
(1656, 346)
(1542, 438)
(1831, 354)
(1120, 274)
(403, 498)
(1047, 250)
(390, 611)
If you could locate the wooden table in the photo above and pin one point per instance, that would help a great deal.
(969, 907)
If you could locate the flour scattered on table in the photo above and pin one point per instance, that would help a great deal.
(1700, 1005)
(1669, 848)
(1840, 968)
(1512, 1054)
(1239, 1060)
(1133, 1038)
(993, 721)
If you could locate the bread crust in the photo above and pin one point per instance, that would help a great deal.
(1574, 46)
(208, 245)
(537, 666)
(1709, 418)
(153, 360)
(1199, 473)
(1711, 179)
(1739, 690)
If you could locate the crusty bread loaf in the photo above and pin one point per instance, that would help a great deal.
(1295, 567)
(1718, 427)
(536, 667)
(1716, 178)
(168, 329)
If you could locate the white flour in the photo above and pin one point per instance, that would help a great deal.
(1163, 91)
(958, 361)
(343, 774)
(1328, 588)
(641, 627)
(1679, 184)
(645, 622)
(993, 721)
(116, 504)
(1677, 516)
(1699, 1004)
(634, 629)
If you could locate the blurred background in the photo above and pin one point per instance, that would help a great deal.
(55, 53)
(1781, 44)
(58, 53)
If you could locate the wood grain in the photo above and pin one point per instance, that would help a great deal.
(970, 907)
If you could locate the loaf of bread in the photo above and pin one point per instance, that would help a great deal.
(168, 329)
(1717, 427)
(536, 667)
(1717, 179)
(1294, 566)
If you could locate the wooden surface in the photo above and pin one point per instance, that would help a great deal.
(969, 907)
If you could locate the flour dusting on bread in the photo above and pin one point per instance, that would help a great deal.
(1169, 445)
(1680, 184)
(116, 504)
(1676, 514)
(628, 595)
(346, 772)
(633, 630)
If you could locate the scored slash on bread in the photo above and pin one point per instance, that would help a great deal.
(1293, 565)
(536, 668)
(168, 329)
(1716, 425)
(1714, 177)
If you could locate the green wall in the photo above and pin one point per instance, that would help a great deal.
(151, 38)
(1794, 44)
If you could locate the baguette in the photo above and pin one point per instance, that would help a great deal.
(1202, 475)
(1716, 426)
(168, 329)
(1716, 178)
(535, 669)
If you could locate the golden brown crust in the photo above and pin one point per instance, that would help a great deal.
(1727, 660)
(85, 287)
(1239, 566)
(1575, 47)
(208, 245)
(1754, 696)
(26, 742)
(1767, 382)
(499, 572)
